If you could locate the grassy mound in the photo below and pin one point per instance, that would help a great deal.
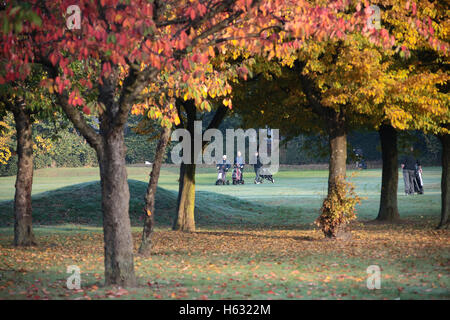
(81, 204)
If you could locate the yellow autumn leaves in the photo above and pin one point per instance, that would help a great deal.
(6, 133)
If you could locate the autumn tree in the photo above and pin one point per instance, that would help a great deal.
(27, 101)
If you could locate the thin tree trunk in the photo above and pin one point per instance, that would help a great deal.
(445, 181)
(149, 208)
(23, 228)
(337, 136)
(184, 220)
(389, 182)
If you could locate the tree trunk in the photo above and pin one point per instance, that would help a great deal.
(186, 199)
(445, 181)
(110, 147)
(389, 182)
(149, 208)
(337, 136)
(184, 220)
(119, 268)
(23, 229)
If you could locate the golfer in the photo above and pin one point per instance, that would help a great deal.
(257, 167)
(409, 171)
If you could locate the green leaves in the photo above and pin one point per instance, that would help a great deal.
(111, 38)
(16, 17)
(5, 24)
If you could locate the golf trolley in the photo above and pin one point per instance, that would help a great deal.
(264, 174)
(418, 181)
(236, 176)
(222, 176)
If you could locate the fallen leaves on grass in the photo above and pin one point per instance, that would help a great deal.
(239, 264)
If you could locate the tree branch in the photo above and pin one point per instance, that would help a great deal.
(79, 122)
(132, 87)
(220, 114)
(309, 90)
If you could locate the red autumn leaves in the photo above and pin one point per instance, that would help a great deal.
(174, 40)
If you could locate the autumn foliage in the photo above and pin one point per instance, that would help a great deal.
(338, 208)
(5, 152)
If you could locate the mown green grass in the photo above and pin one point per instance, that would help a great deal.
(294, 199)
(253, 241)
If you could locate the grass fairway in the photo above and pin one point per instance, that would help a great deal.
(253, 241)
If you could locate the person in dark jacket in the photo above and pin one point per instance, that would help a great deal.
(224, 166)
(257, 166)
(409, 171)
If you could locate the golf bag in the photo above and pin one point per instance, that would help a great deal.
(236, 176)
(418, 182)
(222, 176)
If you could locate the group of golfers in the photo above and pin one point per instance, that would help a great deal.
(412, 170)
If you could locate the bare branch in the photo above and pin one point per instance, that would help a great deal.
(79, 122)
